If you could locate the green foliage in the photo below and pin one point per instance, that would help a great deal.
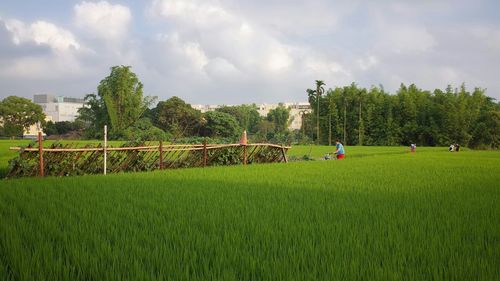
(177, 117)
(247, 116)
(265, 130)
(18, 114)
(119, 104)
(122, 94)
(64, 127)
(373, 117)
(144, 130)
(279, 116)
(94, 115)
(220, 124)
(390, 217)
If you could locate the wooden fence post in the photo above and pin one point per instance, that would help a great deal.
(40, 152)
(205, 154)
(105, 147)
(161, 155)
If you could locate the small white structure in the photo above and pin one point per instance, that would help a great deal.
(32, 132)
(205, 107)
(59, 108)
(297, 110)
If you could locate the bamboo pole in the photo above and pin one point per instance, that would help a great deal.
(40, 152)
(205, 153)
(161, 155)
(284, 154)
(105, 147)
(245, 154)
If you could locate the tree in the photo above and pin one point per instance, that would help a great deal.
(265, 130)
(332, 116)
(94, 115)
(247, 116)
(320, 90)
(122, 94)
(220, 124)
(413, 115)
(279, 116)
(143, 130)
(18, 114)
(177, 117)
(63, 127)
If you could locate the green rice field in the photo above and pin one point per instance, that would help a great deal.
(380, 214)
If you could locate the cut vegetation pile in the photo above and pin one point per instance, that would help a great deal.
(425, 216)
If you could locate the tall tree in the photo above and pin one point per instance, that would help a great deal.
(320, 90)
(94, 115)
(314, 97)
(122, 93)
(18, 114)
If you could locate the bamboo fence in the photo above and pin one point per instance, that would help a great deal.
(70, 159)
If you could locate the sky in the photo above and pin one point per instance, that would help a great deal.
(234, 51)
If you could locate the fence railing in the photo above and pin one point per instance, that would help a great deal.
(69, 159)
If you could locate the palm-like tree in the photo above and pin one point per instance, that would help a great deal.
(319, 91)
(312, 96)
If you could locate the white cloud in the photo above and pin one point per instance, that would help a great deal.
(187, 55)
(221, 34)
(191, 11)
(367, 63)
(42, 51)
(406, 39)
(103, 20)
(42, 33)
(220, 68)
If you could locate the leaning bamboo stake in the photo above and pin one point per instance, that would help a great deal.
(161, 155)
(40, 152)
(205, 153)
(284, 154)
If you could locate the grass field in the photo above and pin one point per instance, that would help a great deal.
(381, 214)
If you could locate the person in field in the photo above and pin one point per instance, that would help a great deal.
(340, 150)
(452, 148)
(413, 147)
(457, 147)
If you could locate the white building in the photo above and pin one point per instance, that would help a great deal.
(32, 131)
(296, 111)
(59, 108)
(205, 107)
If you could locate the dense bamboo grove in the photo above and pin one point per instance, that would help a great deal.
(360, 116)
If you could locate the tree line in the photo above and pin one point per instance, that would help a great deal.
(120, 104)
(360, 116)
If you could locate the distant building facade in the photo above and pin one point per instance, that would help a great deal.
(59, 108)
(32, 131)
(297, 110)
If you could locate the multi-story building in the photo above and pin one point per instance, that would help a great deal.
(59, 108)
